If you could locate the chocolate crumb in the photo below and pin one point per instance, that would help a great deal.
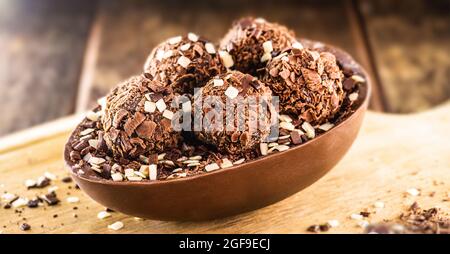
(25, 227)
(66, 179)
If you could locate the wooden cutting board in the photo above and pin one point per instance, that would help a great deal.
(392, 153)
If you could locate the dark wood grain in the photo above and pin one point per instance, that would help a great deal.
(130, 30)
(411, 45)
(42, 44)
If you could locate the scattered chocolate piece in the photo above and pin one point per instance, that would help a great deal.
(365, 214)
(50, 199)
(415, 221)
(318, 228)
(25, 227)
(33, 203)
(66, 179)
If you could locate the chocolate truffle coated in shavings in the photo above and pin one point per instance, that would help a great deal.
(183, 64)
(248, 43)
(237, 139)
(308, 83)
(129, 130)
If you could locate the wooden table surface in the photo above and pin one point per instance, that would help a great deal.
(59, 56)
(392, 154)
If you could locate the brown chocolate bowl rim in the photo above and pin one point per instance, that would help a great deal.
(103, 181)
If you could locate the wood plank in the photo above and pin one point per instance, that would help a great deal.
(42, 46)
(385, 161)
(411, 45)
(131, 29)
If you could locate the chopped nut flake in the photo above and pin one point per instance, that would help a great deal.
(287, 126)
(175, 40)
(190, 161)
(379, 204)
(117, 177)
(353, 96)
(297, 45)
(168, 162)
(266, 57)
(93, 143)
(140, 174)
(50, 176)
(86, 131)
(272, 144)
(103, 215)
(356, 216)
(183, 61)
(194, 164)
(73, 200)
(333, 223)
(185, 47)
(168, 114)
(211, 167)
(161, 105)
(20, 202)
(161, 156)
(144, 170)
(326, 126)
(167, 54)
(281, 148)
(177, 170)
(226, 163)
(93, 116)
(218, 82)
(87, 157)
(210, 48)
(116, 225)
(152, 172)
(159, 55)
(134, 178)
(192, 37)
(268, 48)
(8, 197)
(263, 147)
(30, 183)
(129, 172)
(96, 160)
(231, 92)
(197, 157)
(285, 118)
(226, 59)
(358, 79)
(310, 132)
(413, 192)
(240, 161)
(149, 106)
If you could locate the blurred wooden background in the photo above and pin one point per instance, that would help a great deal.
(57, 57)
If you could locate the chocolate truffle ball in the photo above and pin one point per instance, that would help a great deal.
(252, 42)
(308, 83)
(245, 104)
(184, 62)
(137, 118)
